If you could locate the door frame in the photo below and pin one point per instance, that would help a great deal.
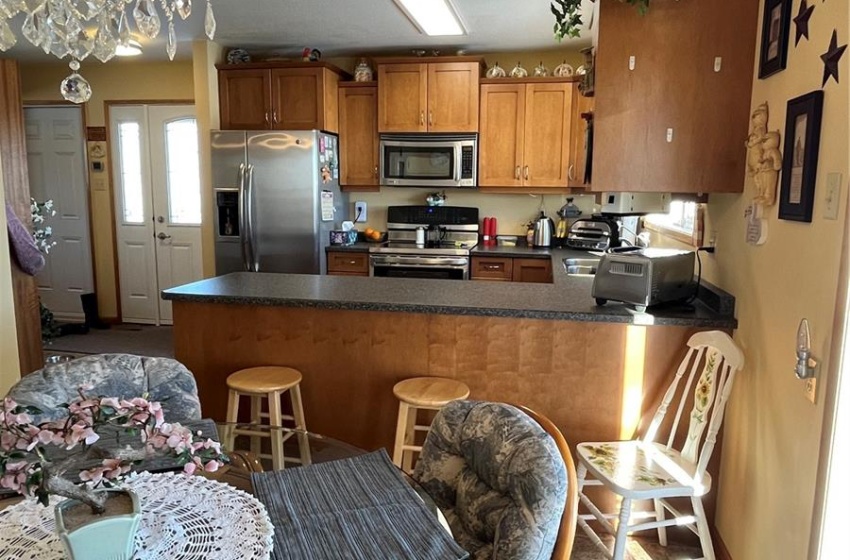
(86, 168)
(107, 117)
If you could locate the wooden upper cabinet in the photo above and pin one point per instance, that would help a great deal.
(402, 97)
(500, 155)
(245, 99)
(680, 118)
(579, 140)
(428, 96)
(453, 96)
(548, 113)
(525, 134)
(283, 96)
(358, 134)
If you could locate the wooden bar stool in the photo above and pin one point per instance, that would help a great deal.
(420, 393)
(270, 383)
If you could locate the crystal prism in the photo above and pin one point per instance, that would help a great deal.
(171, 45)
(7, 38)
(81, 45)
(184, 8)
(104, 44)
(123, 30)
(209, 22)
(75, 88)
(30, 30)
(147, 18)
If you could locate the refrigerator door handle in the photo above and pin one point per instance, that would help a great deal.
(243, 219)
(252, 242)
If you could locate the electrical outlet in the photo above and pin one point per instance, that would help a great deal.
(833, 196)
(811, 389)
(360, 211)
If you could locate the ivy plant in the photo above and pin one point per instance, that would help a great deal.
(568, 17)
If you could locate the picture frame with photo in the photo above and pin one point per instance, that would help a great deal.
(800, 161)
(775, 31)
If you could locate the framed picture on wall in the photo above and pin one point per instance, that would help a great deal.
(775, 28)
(800, 161)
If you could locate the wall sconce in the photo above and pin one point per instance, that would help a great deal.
(806, 364)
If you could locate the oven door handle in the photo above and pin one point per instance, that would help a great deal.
(421, 262)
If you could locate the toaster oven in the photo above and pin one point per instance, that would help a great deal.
(645, 277)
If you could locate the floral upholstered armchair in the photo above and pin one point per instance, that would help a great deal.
(498, 477)
(112, 375)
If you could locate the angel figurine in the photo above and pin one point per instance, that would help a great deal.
(764, 160)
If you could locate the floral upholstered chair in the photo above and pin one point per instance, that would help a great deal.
(498, 477)
(114, 375)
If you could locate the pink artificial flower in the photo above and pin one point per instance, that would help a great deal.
(8, 441)
(111, 402)
(79, 406)
(190, 468)
(212, 466)
(93, 475)
(15, 477)
(80, 432)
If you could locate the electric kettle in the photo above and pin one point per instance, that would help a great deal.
(543, 229)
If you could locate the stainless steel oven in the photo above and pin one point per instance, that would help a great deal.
(419, 266)
(435, 161)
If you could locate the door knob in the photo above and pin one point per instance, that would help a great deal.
(162, 237)
(160, 219)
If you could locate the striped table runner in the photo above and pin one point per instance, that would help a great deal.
(352, 509)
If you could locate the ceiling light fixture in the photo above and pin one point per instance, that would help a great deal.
(433, 17)
(76, 29)
(132, 48)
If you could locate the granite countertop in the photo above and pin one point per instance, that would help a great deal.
(359, 247)
(567, 299)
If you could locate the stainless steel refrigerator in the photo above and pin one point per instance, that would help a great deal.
(277, 197)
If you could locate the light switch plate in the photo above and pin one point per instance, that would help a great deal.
(833, 196)
(811, 389)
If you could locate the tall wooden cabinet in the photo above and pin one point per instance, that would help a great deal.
(416, 95)
(13, 156)
(673, 92)
(279, 96)
(525, 133)
(358, 134)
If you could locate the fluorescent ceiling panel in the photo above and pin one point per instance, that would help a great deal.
(433, 17)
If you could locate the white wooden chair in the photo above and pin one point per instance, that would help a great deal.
(648, 470)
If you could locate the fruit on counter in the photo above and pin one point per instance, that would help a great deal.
(368, 232)
(375, 235)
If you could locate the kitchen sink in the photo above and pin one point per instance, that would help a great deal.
(581, 267)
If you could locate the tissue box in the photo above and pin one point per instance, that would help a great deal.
(344, 237)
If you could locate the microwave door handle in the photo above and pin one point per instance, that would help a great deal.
(458, 162)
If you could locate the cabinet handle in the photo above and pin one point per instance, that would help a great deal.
(430, 118)
(526, 173)
(267, 118)
(422, 118)
(376, 172)
(492, 267)
(517, 173)
(352, 262)
(571, 172)
(274, 117)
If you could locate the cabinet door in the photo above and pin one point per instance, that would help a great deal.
(358, 135)
(538, 271)
(402, 97)
(297, 98)
(578, 139)
(245, 99)
(548, 115)
(453, 96)
(500, 145)
(492, 268)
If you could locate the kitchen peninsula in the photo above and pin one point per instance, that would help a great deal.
(547, 346)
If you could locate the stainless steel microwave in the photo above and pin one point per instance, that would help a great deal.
(435, 161)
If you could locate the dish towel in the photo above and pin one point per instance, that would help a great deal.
(353, 509)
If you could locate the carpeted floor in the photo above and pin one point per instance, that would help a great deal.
(640, 548)
(142, 340)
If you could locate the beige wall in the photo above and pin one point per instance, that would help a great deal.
(9, 363)
(772, 433)
(118, 80)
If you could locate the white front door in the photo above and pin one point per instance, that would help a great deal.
(57, 171)
(158, 205)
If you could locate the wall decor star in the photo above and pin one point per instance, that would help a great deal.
(831, 59)
(802, 21)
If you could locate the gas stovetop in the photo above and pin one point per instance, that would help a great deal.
(406, 248)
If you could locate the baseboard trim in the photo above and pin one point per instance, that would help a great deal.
(720, 550)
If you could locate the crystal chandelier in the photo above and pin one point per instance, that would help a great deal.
(79, 28)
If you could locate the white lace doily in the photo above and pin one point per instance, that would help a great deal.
(183, 518)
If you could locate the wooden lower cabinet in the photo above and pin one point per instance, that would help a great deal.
(508, 269)
(348, 263)
(538, 271)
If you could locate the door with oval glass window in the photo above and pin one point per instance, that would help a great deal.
(157, 205)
